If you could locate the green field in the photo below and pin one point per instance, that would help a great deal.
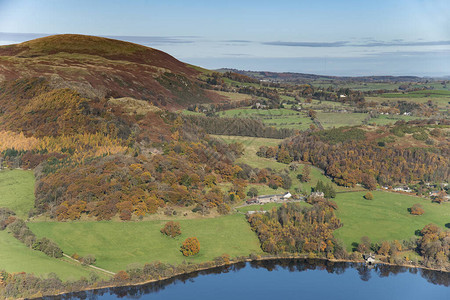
(278, 118)
(390, 119)
(118, 244)
(418, 94)
(330, 120)
(16, 257)
(386, 217)
(234, 96)
(17, 191)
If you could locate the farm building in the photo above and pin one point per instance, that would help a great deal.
(274, 198)
(317, 194)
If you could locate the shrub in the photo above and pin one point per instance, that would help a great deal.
(368, 196)
(223, 208)
(417, 210)
(88, 259)
(171, 229)
(121, 276)
(125, 215)
(191, 246)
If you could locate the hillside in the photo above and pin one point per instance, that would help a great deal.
(99, 67)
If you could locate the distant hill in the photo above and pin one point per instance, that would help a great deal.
(99, 67)
(307, 78)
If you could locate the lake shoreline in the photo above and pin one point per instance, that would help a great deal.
(259, 259)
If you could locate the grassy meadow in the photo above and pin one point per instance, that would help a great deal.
(386, 217)
(16, 257)
(17, 191)
(382, 120)
(118, 244)
(330, 120)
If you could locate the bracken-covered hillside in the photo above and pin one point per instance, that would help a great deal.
(104, 68)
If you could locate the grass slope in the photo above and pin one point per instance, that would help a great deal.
(330, 120)
(17, 191)
(386, 217)
(118, 244)
(16, 257)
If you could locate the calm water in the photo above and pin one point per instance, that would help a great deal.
(290, 279)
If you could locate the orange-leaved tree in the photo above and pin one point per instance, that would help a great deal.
(171, 229)
(417, 209)
(368, 196)
(191, 246)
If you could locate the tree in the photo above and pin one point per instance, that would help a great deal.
(171, 229)
(368, 196)
(252, 192)
(417, 210)
(190, 246)
(306, 173)
(385, 248)
(283, 156)
(365, 244)
(121, 276)
(369, 182)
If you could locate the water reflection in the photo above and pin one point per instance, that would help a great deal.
(292, 265)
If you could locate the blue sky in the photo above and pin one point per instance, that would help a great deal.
(340, 37)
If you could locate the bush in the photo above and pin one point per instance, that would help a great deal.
(125, 215)
(417, 210)
(171, 229)
(88, 259)
(223, 208)
(191, 246)
(121, 276)
(368, 196)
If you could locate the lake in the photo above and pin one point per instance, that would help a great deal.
(289, 279)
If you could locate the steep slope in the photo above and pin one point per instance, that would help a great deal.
(102, 68)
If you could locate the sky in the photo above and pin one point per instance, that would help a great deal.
(330, 37)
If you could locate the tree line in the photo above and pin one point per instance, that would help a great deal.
(350, 159)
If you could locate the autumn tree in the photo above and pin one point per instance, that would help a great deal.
(171, 229)
(368, 196)
(385, 248)
(369, 182)
(190, 246)
(306, 173)
(417, 210)
(284, 157)
(364, 245)
(121, 276)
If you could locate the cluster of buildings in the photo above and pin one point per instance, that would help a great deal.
(270, 198)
